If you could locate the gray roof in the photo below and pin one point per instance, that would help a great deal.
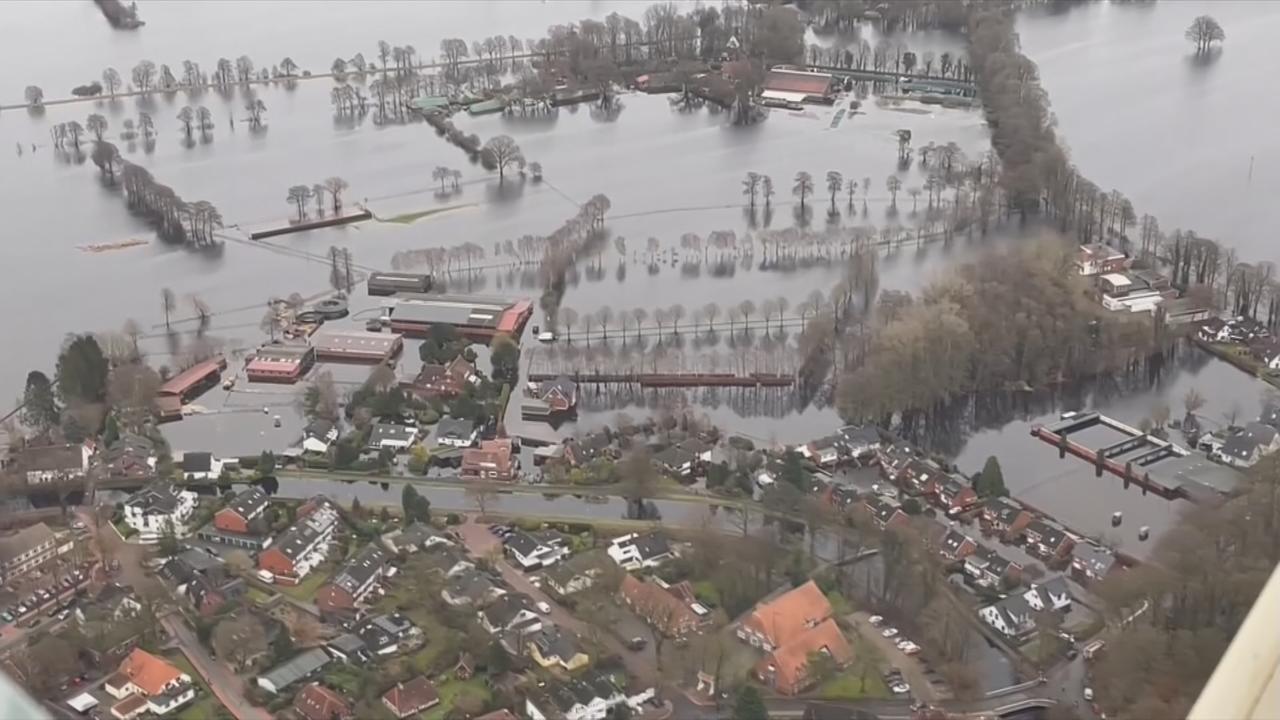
(304, 530)
(360, 568)
(473, 585)
(193, 462)
(391, 431)
(1097, 560)
(650, 545)
(318, 428)
(159, 498)
(454, 428)
(296, 668)
(859, 435)
(506, 608)
(347, 643)
(552, 642)
(674, 457)
(1015, 612)
(22, 541)
(1051, 536)
(471, 310)
(415, 534)
(523, 543)
(566, 386)
(248, 502)
(52, 458)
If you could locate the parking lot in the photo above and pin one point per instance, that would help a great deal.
(924, 684)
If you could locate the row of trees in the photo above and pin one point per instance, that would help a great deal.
(886, 57)
(299, 195)
(176, 220)
(703, 319)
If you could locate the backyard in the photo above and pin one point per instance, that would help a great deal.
(205, 706)
(453, 691)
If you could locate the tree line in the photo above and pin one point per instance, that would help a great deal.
(300, 194)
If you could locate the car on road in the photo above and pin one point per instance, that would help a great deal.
(6, 617)
(910, 649)
(889, 632)
(900, 688)
(543, 607)
(1072, 653)
(64, 613)
(546, 336)
(875, 620)
(1088, 694)
(77, 525)
(636, 643)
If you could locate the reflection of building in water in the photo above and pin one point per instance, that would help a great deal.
(745, 402)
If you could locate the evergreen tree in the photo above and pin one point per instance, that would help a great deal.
(82, 371)
(40, 406)
(990, 482)
(748, 705)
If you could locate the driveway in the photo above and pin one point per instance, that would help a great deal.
(482, 543)
(225, 685)
(911, 668)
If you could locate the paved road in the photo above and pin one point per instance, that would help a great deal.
(225, 685)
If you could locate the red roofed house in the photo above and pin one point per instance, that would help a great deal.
(668, 614)
(441, 381)
(317, 702)
(146, 683)
(411, 697)
(188, 385)
(491, 461)
(790, 628)
(286, 363)
(795, 85)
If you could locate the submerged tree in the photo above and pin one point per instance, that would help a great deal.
(500, 153)
(1203, 32)
(803, 187)
(335, 186)
(835, 181)
(256, 108)
(111, 80)
(298, 196)
(96, 124)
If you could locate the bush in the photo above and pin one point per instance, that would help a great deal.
(529, 524)
(453, 519)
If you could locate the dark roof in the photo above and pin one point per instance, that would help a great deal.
(248, 502)
(1004, 509)
(391, 431)
(552, 642)
(52, 457)
(296, 668)
(882, 508)
(824, 442)
(1244, 443)
(161, 498)
(523, 543)
(303, 531)
(650, 545)
(473, 585)
(502, 611)
(454, 427)
(859, 435)
(318, 428)
(1097, 560)
(415, 534)
(197, 462)
(674, 457)
(347, 644)
(1050, 535)
(360, 568)
(954, 540)
(695, 446)
(562, 383)
(24, 540)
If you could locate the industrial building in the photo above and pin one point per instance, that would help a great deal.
(355, 345)
(393, 283)
(477, 317)
(187, 386)
(283, 363)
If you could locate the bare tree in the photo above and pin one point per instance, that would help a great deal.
(676, 313)
(336, 185)
(168, 301)
(1203, 32)
(710, 310)
(483, 494)
(298, 195)
(893, 185)
(500, 153)
(766, 189)
(803, 187)
(834, 182)
(750, 186)
(603, 316)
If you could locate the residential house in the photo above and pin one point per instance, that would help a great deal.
(511, 613)
(1213, 329)
(54, 463)
(894, 457)
(408, 698)
(885, 512)
(1099, 259)
(989, 568)
(788, 628)
(448, 561)
(388, 634)
(503, 714)
(955, 545)
(1013, 617)
(203, 580)
(471, 588)
(858, 441)
(635, 551)
(28, 548)
(1091, 562)
(455, 432)
(317, 702)
(300, 667)
(1047, 540)
(417, 536)
(653, 601)
(352, 583)
(825, 451)
(201, 466)
(1052, 594)
(389, 436)
(159, 509)
(243, 523)
(920, 477)
(596, 445)
(590, 696)
(131, 457)
(554, 647)
(1245, 447)
(442, 381)
(531, 553)
(573, 575)
(145, 683)
(318, 435)
(549, 399)
(112, 602)
(1004, 517)
(349, 648)
(493, 460)
(955, 495)
(701, 450)
(303, 546)
(675, 461)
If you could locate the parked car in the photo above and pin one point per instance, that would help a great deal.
(543, 607)
(64, 614)
(912, 649)
(889, 632)
(637, 643)
(1088, 694)
(8, 618)
(900, 688)
(875, 620)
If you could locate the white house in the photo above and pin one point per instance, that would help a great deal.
(823, 451)
(456, 433)
(1246, 447)
(145, 683)
(54, 463)
(158, 509)
(635, 551)
(1051, 594)
(318, 435)
(589, 697)
(1011, 616)
(859, 440)
(531, 553)
(513, 612)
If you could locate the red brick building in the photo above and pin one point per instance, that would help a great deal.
(491, 461)
(280, 363)
(243, 510)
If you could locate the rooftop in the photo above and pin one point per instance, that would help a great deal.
(410, 697)
(24, 540)
(787, 616)
(249, 502)
(296, 668)
(150, 673)
(158, 498)
(183, 382)
(355, 342)
(52, 458)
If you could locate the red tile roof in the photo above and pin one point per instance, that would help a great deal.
(788, 664)
(410, 697)
(185, 380)
(317, 702)
(150, 673)
(787, 616)
(797, 81)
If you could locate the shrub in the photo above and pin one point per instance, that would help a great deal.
(453, 519)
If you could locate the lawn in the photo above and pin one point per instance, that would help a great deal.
(452, 690)
(257, 596)
(848, 686)
(306, 590)
(205, 706)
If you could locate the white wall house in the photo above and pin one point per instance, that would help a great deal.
(636, 551)
(158, 509)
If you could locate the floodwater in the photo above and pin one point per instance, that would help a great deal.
(1189, 140)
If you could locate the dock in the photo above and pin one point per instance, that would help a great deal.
(1153, 464)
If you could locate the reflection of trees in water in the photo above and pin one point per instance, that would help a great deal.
(744, 402)
(947, 430)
